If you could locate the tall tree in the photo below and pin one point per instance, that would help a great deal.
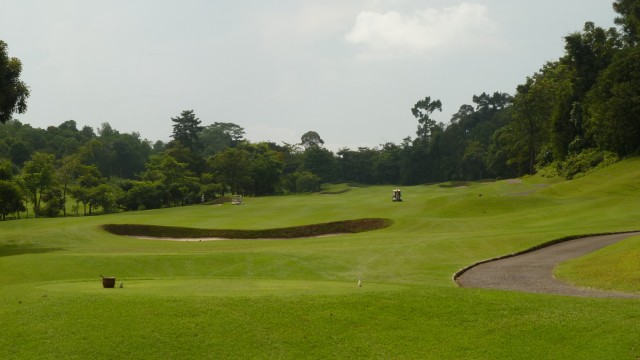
(88, 180)
(186, 129)
(178, 181)
(614, 105)
(422, 111)
(533, 107)
(6, 169)
(319, 161)
(265, 168)
(232, 166)
(13, 91)
(68, 169)
(10, 199)
(10, 192)
(311, 139)
(588, 53)
(218, 136)
(356, 166)
(386, 166)
(194, 161)
(628, 19)
(38, 177)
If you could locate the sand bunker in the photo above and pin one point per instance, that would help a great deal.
(193, 234)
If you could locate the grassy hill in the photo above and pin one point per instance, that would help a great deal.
(298, 298)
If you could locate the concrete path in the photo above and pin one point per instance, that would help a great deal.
(533, 271)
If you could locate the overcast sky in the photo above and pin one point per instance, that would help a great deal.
(348, 69)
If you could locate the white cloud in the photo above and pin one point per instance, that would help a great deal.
(305, 23)
(395, 34)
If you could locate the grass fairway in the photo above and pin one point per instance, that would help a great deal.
(298, 298)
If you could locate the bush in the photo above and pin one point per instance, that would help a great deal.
(580, 164)
(307, 182)
(144, 194)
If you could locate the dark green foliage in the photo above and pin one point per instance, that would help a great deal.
(186, 128)
(422, 111)
(181, 185)
(19, 153)
(311, 139)
(265, 168)
(10, 199)
(13, 91)
(357, 165)
(54, 202)
(38, 178)
(307, 182)
(319, 161)
(143, 195)
(628, 19)
(614, 106)
(193, 161)
(117, 154)
(232, 167)
(218, 136)
(588, 53)
(6, 170)
(580, 164)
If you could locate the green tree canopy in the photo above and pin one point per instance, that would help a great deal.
(218, 136)
(422, 111)
(232, 166)
(311, 139)
(319, 161)
(13, 91)
(10, 199)
(628, 19)
(38, 175)
(6, 169)
(614, 105)
(186, 129)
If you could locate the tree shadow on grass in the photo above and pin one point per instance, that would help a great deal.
(14, 249)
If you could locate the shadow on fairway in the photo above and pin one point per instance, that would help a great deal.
(13, 250)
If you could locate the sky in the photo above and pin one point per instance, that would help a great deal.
(349, 70)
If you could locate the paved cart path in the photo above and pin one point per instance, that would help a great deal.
(533, 271)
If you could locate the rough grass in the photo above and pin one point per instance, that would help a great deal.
(294, 299)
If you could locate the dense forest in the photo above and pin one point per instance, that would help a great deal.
(575, 113)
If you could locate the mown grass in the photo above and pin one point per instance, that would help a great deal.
(615, 267)
(298, 298)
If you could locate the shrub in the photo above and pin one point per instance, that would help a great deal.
(580, 164)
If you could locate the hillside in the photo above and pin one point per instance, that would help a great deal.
(299, 298)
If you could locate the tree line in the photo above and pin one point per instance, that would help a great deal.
(574, 113)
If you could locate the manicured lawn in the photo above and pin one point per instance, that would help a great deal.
(298, 298)
(615, 267)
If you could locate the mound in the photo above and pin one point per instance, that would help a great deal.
(337, 192)
(336, 227)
